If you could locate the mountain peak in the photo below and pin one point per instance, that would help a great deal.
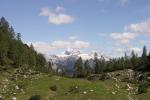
(72, 52)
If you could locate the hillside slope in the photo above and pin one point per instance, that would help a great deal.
(67, 89)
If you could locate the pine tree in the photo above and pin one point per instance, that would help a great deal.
(87, 68)
(144, 54)
(133, 60)
(97, 67)
(15, 53)
(19, 36)
(4, 41)
(12, 32)
(149, 56)
(79, 68)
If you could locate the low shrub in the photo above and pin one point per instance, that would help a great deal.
(53, 88)
(35, 97)
(90, 78)
(118, 74)
(74, 89)
(103, 77)
(142, 88)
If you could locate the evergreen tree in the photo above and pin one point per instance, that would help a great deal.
(16, 54)
(19, 36)
(97, 67)
(79, 68)
(96, 61)
(87, 68)
(144, 54)
(149, 56)
(133, 59)
(12, 32)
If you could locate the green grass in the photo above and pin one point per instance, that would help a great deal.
(102, 90)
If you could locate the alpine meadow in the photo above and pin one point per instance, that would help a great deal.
(75, 50)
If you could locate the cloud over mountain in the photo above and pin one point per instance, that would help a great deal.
(46, 48)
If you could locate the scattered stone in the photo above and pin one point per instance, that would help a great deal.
(14, 98)
(91, 90)
(14, 93)
(17, 87)
(57, 79)
(130, 88)
(130, 98)
(76, 87)
(22, 91)
(84, 92)
(24, 76)
(6, 80)
(117, 86)
(5, 86)
(113, 92)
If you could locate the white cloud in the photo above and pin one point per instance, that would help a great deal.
(60, 44)
(139, 28)
(120, 51)
(144, 42)
(76, 44)
(135, 49)
(56, 16)
(123, 37)
(46, 48)
(80, 44)
(42, 47)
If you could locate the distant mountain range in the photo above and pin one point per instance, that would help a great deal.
(67, 60)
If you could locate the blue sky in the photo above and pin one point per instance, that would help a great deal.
(111, 27)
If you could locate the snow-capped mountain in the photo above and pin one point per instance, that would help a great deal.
(69, 57)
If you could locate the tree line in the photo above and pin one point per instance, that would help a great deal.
(142, 64)
(15, 54)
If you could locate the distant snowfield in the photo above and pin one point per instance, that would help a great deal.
(67, 60)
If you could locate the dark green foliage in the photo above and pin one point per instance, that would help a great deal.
(19, 36)
(103, 77)
(14, 53)
(142, 88)
(35, 97)
(97, 66)
(87, 68)
(78, 68)
(74, 89)
(134, 62)
(53, 88)
(144, 54)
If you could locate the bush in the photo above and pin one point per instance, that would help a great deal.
(74, 89)
(53, 88)
(3, 68)
(35, 97)
(118, 74)
(103, 77)
(142, 88)
(90, 78)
